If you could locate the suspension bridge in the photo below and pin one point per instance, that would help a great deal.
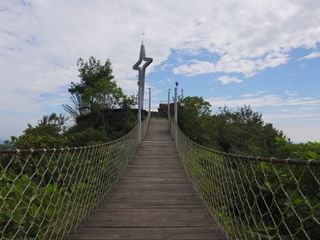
(153, 199)
(163, 187)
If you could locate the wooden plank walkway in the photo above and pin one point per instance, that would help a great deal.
(154, 199)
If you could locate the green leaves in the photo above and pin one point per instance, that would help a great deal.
(96, 91)
(241, 131)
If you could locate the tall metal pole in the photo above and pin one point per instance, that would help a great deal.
(141, 65)
(176, 110)
(176, 103)
(149, 101)
(169, 104)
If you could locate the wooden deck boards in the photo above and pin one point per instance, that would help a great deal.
(153, 200)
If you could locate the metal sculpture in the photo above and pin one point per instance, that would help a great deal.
(142, 70)
(145, 61)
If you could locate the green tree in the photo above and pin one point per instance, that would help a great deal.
(47, 134)
(9, 144)
(287, 149)
(193, 113)
(97, 99)
(96, 91)
(242, 131)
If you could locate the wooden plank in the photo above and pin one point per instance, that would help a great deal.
(155, 186)
(158, 179)
(155, 199)
(185, 233)
(155, 191)
(155, 157)
(154, 166)
(155, 171)
(150, 218)
(137, 205)
(151, 174)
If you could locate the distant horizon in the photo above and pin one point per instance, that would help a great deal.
(232, 53)
(2, 140)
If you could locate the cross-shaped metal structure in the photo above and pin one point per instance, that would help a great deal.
(145, 61)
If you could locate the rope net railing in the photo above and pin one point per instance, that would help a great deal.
(44, 194)
(252, 197)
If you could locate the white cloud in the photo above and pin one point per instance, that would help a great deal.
(255, 94)
(264, 101)
(299, 131)
(296, 116)
(166, 81)
(226, 80)
(228, 64)
(291, 93)
(251, 36)
(41, 41)
(311, 56)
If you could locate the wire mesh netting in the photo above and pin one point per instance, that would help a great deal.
(44, 194)
(255, 198)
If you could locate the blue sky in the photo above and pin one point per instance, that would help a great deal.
(287, 95)
(265, 54)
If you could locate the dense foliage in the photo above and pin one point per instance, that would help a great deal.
(255, 199)
(242, 131)
(101, 111)
(44, 193)
(47, 134)
(96, 91)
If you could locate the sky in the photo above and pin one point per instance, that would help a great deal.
(264, 53)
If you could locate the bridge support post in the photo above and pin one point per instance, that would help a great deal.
(168, 108)
(139, 111)
(149, 102)
(176, 111)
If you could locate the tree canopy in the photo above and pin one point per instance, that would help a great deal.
(101, 112)
(97, 89)
(48, 133)
(240, 131)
